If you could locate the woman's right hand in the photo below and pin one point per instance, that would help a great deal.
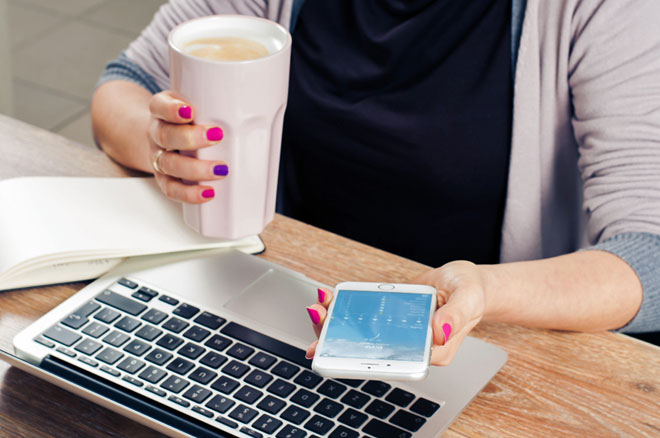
(171, 129)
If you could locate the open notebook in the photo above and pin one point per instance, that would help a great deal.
(62, 229)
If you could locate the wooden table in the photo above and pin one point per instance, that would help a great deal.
(554, 384)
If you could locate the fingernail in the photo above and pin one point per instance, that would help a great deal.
(314, 315)
(209, 193)
(321, 296)
(308, 357)
(214, 134)
(185, 112)
(221, 170)
(446, 328)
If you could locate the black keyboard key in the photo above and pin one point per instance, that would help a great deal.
(175, 324)
(225, 384)
(331, 389)
(355, 399)
(62, 335)
(235, 369)
(145, 290)
(380, 429)
(262, 360)
(121, 302)
(227, 422)
(175, 384)
(271, 404)
(79, 318)
(111, 371)
(107, 315)
(74, 321)
(116, 338)
(248, 394)
(318, 424)
(169, 342)
(132, 380)
(258, 378)
(240, 351)
(243, 414)
(197, 394)
(137, 347)
(67, 351)
(266, 343)
(191, 351)
(88, 347)
(424, 407)
(45, 342)
(376, 388)
(186, 311)
(352, 418)
(281, 388)
(204, 412)
(152, 374)
(130, 365)
(344, 432)
(202, 375)
(179, 401)
(308, 379)
(251, 432)
(142, 296)
(127, 283)
(109, 355)
(180, 366)
(407, 420)
(220, 404)
(168, 300)
(213, 360)
(148, 332)
(218, 342)
(154, 316)
(380, 409)
(95, 330)
(158, 356)
(127, 324)
(209, 320)
(88, 361)
(197, 334)
(400, 397)
(289, 431)
(267, 424)
(295, 415)
(328, 408)
(304, 398)
(285, 369)
(353, 383)
(154, 390)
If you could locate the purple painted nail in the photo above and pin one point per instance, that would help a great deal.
(185, 112)
(209, 193)
(314, 315)
(446, 328)
(214, 134)
(321, 294)
(221, 170)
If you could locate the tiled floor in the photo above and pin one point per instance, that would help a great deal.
(58, 50)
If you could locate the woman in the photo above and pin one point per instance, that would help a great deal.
(409, 108)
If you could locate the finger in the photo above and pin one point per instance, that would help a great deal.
(170, 108)
(317, 314)
(311, 350)
(178, 191)
(325, 297)
(190, 168)
(183, 137)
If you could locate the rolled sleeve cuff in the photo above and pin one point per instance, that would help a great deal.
(642, 252)
(124, 69)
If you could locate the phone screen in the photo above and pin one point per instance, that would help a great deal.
(378, 325)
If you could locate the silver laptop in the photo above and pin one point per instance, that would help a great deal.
(215, 347)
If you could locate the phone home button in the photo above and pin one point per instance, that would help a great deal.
(386, 286)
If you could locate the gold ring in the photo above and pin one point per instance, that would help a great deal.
(155, 158)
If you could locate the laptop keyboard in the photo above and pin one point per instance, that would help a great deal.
(225, 372)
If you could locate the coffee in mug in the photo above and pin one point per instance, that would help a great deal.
(226, 49)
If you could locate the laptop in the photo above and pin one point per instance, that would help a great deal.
(214, 347)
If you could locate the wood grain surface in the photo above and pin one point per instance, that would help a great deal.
(555, 384)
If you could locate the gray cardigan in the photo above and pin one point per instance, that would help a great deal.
(584, 170)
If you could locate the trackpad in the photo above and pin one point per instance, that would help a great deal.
(278, 300)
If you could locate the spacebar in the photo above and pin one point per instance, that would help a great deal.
(266, 343)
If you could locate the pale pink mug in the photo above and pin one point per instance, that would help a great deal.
(247, 100)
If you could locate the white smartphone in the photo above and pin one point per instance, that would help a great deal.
(377, 331)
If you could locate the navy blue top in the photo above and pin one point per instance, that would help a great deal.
(398, 127)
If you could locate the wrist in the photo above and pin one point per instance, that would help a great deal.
(494, 296)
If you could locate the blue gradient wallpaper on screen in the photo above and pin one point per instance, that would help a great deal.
(378, 325)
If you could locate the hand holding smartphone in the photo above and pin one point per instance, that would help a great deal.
(377, 331)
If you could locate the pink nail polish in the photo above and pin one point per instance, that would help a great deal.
(209, 193)
(214, 134)
(185, 112)
(321, 294)
(446, 328)
(314, 315)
